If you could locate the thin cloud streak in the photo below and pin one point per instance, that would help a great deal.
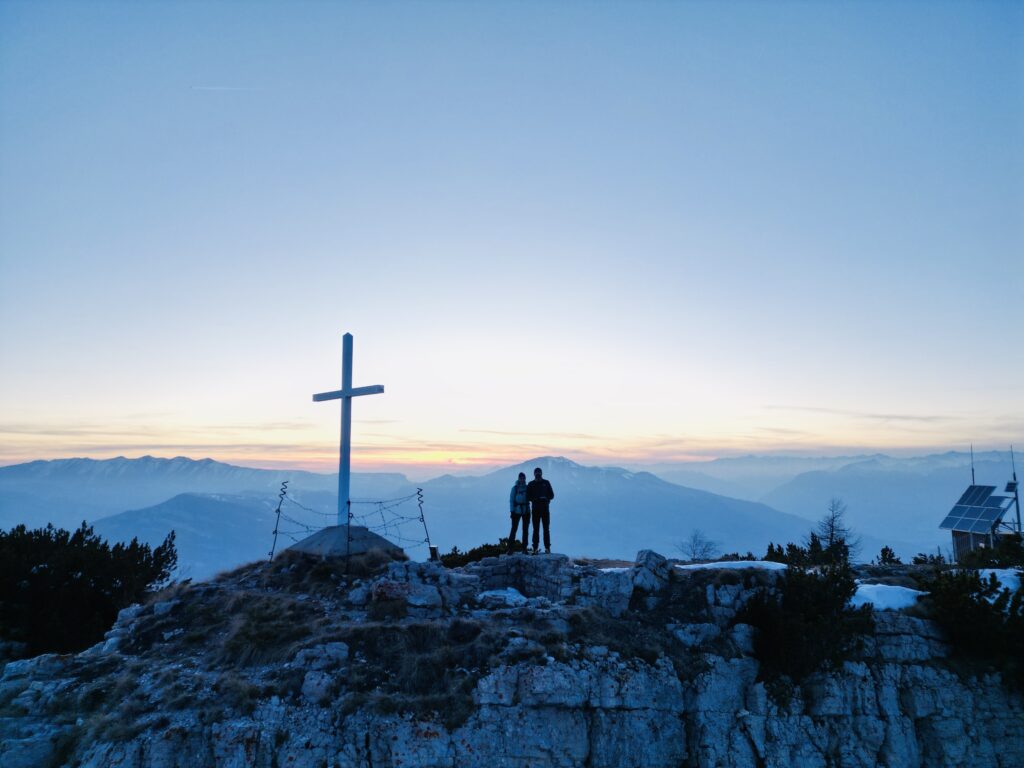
(78, 430)
(564, 435)
(862, 414)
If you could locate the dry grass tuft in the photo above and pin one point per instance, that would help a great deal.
(429, 668)
(262, 629)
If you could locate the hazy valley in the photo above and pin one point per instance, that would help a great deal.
(223, 515)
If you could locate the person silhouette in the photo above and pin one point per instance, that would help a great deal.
(519, 508)
(540, 493)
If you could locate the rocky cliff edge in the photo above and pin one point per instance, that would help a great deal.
(514, 661)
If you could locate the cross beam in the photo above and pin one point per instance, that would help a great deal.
(345, 394)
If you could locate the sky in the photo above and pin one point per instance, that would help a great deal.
(620, 232)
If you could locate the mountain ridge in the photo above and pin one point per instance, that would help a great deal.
(599, 511)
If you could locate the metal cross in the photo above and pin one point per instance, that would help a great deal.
(345, 394)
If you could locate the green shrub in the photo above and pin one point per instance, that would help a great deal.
(1007, 553)
(814, 554)
(805, 623)
(61, 591)
(983, 621)
(888, 557)
(456, 558)
(831, 543)
(736, 557)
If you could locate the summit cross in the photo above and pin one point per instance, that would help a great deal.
(345, 394)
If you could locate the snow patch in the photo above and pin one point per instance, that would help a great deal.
(619, 569)
(767, 565)
(1008, 578)
(885, 597)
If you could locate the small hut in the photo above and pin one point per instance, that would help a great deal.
(978, 518)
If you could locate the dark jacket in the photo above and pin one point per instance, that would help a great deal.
(539, 492)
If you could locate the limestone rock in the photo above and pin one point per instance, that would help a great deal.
(550, 673)
(608, 590)
(651, 572)
(316, 686)
(501, 598)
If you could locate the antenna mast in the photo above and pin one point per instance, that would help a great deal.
(972, 463)
(1016, 492)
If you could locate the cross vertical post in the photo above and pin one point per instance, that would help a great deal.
(345, 394)
(345, 453)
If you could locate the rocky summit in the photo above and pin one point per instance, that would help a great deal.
(514, 661)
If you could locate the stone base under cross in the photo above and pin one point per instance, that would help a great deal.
(336, 541)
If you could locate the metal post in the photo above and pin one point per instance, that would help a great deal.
(1016, 490)
(345, 455)
(277, 523)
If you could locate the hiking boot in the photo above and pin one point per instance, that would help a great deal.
(547, 550)
(533, 551)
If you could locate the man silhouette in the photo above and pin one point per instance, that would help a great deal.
(539, 493)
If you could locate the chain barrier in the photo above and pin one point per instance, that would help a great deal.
(394, 519)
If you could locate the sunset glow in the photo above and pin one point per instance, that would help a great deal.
(798, 233)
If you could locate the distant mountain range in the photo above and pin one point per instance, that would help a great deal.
(902, 499)
(604, 512)
(67, 491)
(213, 533)
(223, 514)
(887, 498)
(745, 477)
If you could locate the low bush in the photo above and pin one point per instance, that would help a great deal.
(1007, 553)
(805, 624)
(983, 621)
(457, 558)
(814, 554)
(736, 557)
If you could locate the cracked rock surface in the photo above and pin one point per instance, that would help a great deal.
(301, 664)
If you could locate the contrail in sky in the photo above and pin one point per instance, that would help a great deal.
(223, 88)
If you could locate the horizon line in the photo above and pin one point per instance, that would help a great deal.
(491, 464)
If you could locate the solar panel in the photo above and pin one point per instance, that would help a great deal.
(949, 521)
(1011, 486)
(981, 492)
(977, 511)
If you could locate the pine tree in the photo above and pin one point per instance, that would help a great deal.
(60, 591)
